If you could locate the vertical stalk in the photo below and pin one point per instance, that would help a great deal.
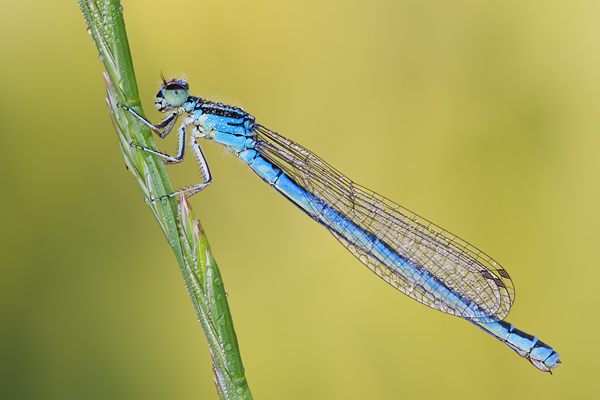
(178, 222)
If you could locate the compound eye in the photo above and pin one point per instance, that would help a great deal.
(175, 94)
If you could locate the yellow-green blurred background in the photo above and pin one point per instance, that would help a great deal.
(480, 116)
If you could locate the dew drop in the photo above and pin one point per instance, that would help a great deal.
(89, 30)
(100, 57)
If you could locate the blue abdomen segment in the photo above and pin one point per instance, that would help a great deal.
(542, 356)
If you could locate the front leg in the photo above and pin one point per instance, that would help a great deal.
(166, 124)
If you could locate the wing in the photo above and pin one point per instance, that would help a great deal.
(456, 266)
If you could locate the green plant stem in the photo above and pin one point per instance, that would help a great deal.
(178, 222)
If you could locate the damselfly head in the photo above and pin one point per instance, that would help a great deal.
(171, 94)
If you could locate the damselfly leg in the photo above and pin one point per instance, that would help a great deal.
(166, 126)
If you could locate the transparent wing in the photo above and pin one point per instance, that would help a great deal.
(454, 263)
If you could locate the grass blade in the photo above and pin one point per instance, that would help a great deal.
(178, 222)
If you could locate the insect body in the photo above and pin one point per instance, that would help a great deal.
(412, 254)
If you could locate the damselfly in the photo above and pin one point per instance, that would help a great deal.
(410, 253)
